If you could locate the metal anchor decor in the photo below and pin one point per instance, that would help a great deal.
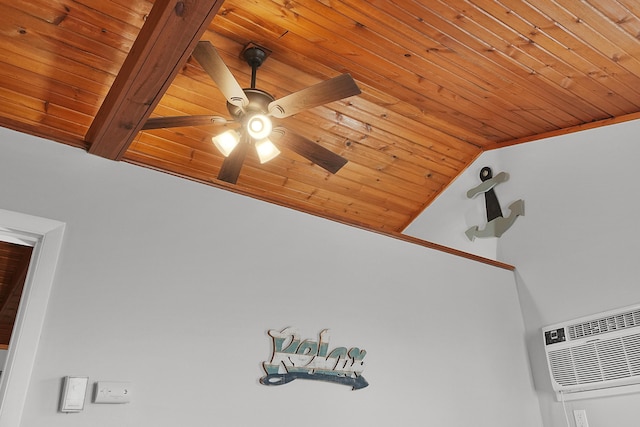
(496, 223)
(311, 360)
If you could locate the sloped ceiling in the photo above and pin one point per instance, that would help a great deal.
(441, 82)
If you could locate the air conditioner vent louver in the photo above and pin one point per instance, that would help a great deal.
(561, 365)
(632, 347)
(629, 319)
(598, 361)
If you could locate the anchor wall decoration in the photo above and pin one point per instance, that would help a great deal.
(496, 223)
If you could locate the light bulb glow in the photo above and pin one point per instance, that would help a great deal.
(226, 142)
(259, 127)
(266, 150)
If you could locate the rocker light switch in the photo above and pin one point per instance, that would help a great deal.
(112, 392)
(73, 393)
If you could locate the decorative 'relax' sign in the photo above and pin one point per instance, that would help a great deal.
(311, 360)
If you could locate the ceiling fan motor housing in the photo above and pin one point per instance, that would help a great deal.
(259, 101)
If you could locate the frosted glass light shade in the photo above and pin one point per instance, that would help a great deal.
(259, 127)
(266, 150)
(226, 142)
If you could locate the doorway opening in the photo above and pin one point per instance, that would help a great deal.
(15, 258)
(44, 237)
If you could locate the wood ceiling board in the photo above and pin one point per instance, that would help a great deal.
(443, 103)
(563, 50)
(408, 61)
(471, 78)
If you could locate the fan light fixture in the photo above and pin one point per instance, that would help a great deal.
(226, 142)
(266, 150)
(259, 127)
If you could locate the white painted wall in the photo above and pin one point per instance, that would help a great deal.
(452, 213)
(577, 248)
(172, 285)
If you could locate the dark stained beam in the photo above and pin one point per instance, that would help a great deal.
(163, 46)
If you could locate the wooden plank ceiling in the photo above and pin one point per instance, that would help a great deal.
(441, 81)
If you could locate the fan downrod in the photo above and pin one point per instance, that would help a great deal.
(254, 55)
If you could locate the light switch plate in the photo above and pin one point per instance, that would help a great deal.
(74, 390)
(580, 415)
(112, 392)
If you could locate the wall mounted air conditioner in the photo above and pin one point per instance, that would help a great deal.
(596, 355)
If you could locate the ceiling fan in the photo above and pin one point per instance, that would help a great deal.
(253, 108)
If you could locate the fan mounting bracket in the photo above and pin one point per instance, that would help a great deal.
(254, 54)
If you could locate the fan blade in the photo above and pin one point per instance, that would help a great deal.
(328, 160)
(182, 121)
(322, 93)
(210, 59)
(231, 166)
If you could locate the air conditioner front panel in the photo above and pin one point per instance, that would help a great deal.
(596, 352)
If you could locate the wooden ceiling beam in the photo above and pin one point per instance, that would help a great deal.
(163, 46)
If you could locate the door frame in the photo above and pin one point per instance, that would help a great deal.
(46, 236)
